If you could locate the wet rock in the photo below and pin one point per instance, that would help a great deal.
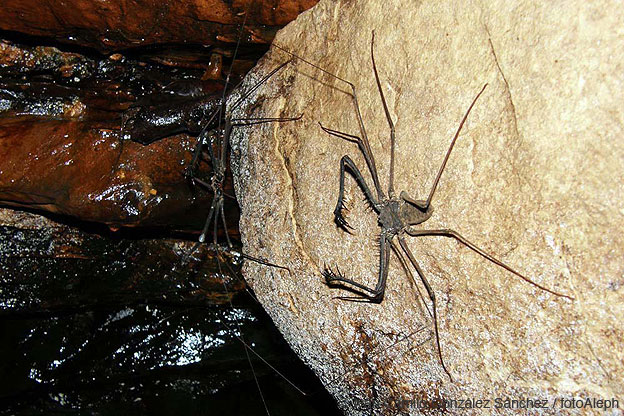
(62, 147)
(46, 81)
(42, 269)
(84, 107)
(147, 327)
(24, 59)
(83, 169)
(117, 25)
(535, 178)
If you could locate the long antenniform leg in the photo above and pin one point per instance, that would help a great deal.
(454, 234)
(362, 142)
(219, 167)
(390, 122)
(461, 239)
(215, 135)
(464, 241)
(216, 119)
(399, 254)
(365, 149)
(448, 152)
(238, 334)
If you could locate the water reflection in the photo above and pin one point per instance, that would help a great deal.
(87, 335)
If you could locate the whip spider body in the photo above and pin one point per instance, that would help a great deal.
(397, 215)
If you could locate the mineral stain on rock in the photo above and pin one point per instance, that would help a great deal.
(63, 144)
(115, 25)
(82, 169)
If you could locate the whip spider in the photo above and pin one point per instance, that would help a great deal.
(397, 215)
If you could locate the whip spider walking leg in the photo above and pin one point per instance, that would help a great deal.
(215, 137)
(397, 216)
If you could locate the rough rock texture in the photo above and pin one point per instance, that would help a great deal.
(61, 119)
(110, 24)
(82, 169)
(536, 178)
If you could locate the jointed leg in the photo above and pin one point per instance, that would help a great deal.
(397, 251)
(225, 229)
(431, 296)
(458, 237)
(365, 149)
(363, 142)
(215, 119)
(448, 152)
(392, 130)
(225, 141)
(258, 84)
(374, 295)
(215, 222)
(192, 168)
(417, 203)
(346, 162)
(203, 134)
(219, 166)
(249, 348)
(240, 122)
(202, 236)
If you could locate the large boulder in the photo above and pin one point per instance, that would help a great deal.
(536, 178)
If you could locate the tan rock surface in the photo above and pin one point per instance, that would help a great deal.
(536, 178)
